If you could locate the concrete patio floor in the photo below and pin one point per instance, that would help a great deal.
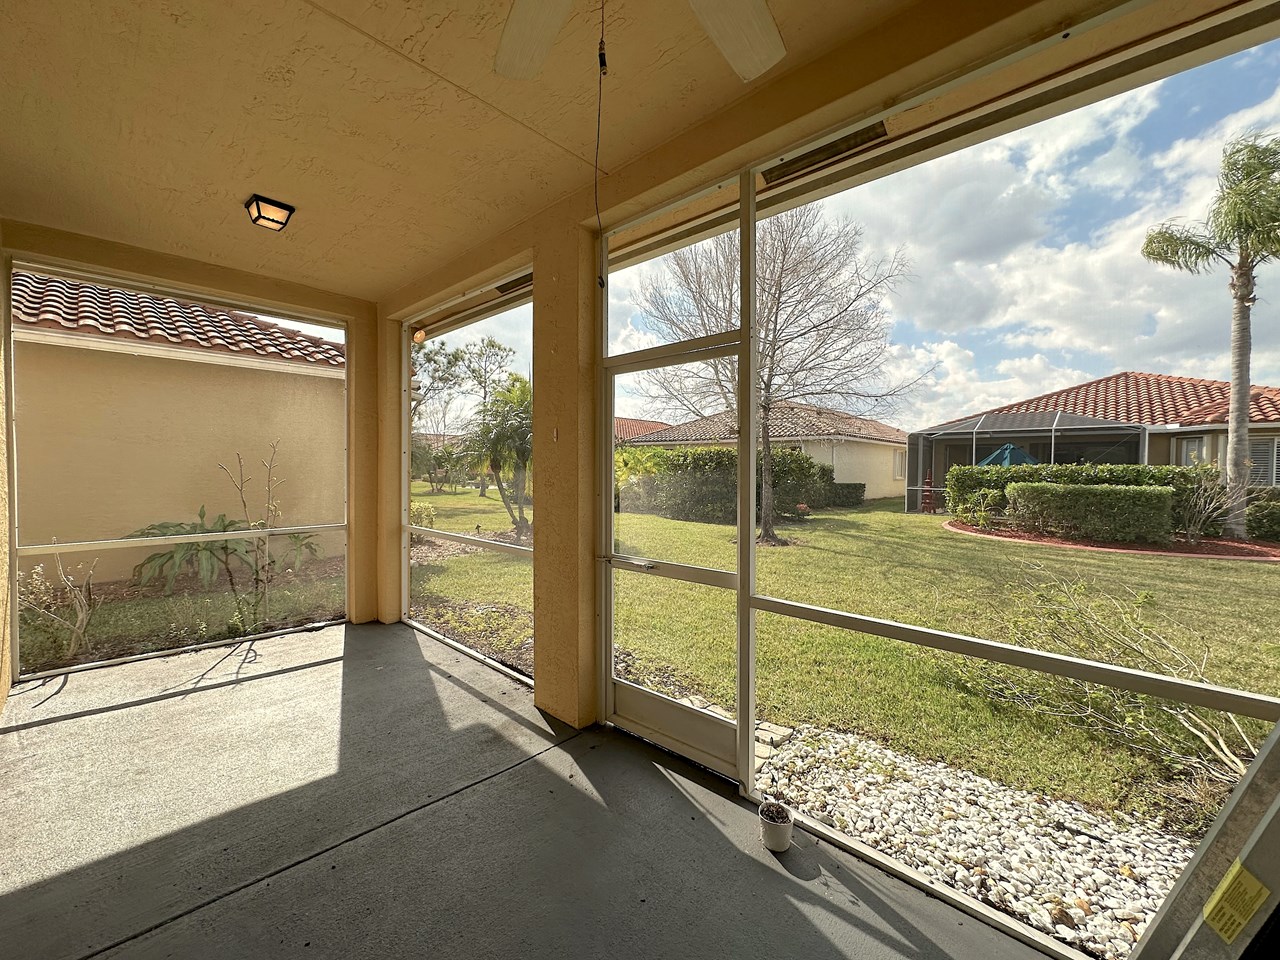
(369, 792)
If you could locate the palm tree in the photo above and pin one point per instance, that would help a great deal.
(1242, 231)
(500, 439)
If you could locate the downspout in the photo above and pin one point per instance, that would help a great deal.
(973, 457)
(1053, 439)
(1142, 446)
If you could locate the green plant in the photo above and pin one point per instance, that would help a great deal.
(301, 545)
(63, 602)
(1205, 501)
(964, 482)
(1239, 231)
(848, 494)
(245, 562)
(422, 514)
(701, 483)
(1092, 512)
(1262, 516)
(206, 559)
(983, 510)
(500, 439)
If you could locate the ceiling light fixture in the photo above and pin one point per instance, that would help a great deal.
(268, 213)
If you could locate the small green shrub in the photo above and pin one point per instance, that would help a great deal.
(421, 513)
(984, 508)
(1092, 511)
(848, 494)
(1262, 516)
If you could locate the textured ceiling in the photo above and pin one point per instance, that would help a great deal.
(381, 120)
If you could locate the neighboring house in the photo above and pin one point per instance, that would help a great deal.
(859, 450)
(126, 404)
(1124, 418)
(626, 429)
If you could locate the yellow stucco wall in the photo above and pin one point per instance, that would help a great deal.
(109, 442)
(858, 461)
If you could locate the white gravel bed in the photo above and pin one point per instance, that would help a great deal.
(1092, 881)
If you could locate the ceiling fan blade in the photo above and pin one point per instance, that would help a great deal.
(745, 33)
(531, 29)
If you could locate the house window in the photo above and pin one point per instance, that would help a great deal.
(1192, 451)
(899, 464)
(1264, 469)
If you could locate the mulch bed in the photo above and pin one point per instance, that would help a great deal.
(1210, 548)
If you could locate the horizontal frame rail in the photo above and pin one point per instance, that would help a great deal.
(709, 576)
(1239, 702)
(496, 545)
(258, 533)
(668, 354)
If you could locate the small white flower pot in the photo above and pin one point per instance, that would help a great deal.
(776, 836)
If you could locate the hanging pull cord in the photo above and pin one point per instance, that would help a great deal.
(604, 70)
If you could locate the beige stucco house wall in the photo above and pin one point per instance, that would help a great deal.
(881, 466)
(109, 442)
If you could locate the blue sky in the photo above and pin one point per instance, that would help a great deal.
(1024, 250)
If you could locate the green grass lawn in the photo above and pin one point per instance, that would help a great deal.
(126, 626)
(461, 510)
(878, 561)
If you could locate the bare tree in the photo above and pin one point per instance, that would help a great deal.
(820, 318)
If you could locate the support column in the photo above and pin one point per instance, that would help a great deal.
(392, 469)
(362, 469)
(566, 351)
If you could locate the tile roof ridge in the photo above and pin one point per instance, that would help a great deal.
(52, 301)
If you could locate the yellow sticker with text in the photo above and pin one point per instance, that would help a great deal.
(1234, 903)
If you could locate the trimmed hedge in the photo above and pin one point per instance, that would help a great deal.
(1101, 511)
(700, 483)
(965, 483)
(848, 494)
(1262, 516)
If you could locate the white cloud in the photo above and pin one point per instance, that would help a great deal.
(1032, 243)
(958, 386)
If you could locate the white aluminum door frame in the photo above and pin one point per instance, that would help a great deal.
(723, 745)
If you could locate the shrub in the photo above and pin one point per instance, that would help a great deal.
(848, 494)
(1262, 517)
(1204, 501)
(701, 483)
(1092, 511)
(965, 482)
(797, 479)
(422, 513)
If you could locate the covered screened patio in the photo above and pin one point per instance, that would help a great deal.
(401, 174)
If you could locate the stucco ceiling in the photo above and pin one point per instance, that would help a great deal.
(381, 120)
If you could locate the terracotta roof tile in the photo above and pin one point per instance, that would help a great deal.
(53, 303)
(1145, 398)
(627, 428)
(787, 422)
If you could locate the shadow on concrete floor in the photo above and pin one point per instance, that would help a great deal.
(376, 794)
